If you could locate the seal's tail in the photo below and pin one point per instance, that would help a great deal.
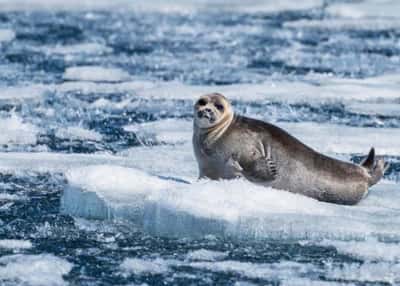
(375, 167)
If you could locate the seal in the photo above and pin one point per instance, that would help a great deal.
(227, 146)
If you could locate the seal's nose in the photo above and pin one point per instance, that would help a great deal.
(208, 110)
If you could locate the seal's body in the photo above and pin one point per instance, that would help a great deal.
(229, 146)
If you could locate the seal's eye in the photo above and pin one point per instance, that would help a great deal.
(220, 107)
(202, 102)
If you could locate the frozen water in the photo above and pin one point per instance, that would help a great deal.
(205, 255)
(370, 250)
(92, 73)
(366, 9)
(43, 269)
(255, 6)
(6, 35)
(98, 181)
(76, 132)
(87, 48)
(15, 244)
(141, 266)
(235, 208)
(15, 131)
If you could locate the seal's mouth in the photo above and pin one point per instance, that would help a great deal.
(206, 114)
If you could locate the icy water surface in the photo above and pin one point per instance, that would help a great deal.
(98, 180)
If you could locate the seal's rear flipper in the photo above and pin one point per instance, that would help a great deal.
(378, 171)
(369, 161)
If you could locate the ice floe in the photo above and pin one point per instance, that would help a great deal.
(19, 93)
(140, 266)
(86, 48)
(235, 208)
(78, 133)
(370, 249)
(95, 73)
(371, 24)
(15, 131)
(180, 6)
(168, 131)
(366, 9)
(367, 272)
(35, 270)
(205, 255)
(10, 197)
(15, 244)
(275, 271)
(6, 35)
(286, 272)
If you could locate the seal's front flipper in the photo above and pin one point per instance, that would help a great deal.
(232, 169)
(264, 168)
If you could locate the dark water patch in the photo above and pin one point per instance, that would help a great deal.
(39, 62)
(63, 145)
(4, 18)
(48, 28)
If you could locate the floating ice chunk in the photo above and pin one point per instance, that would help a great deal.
(369, 250)
(104, 88)
(286, 272)
(15, 244)
(167, 131)
(96, 73)
(17, 132)
(302, 281)
(177, 6)
(280, 271)
(105, 178)
(366, 9)
(78, 133)
(59, 5)
(6, 35)
(238, 208)
(43, 269)
(23, 92)
(140, 266)
(87, 48)
(205, 255)
(59, 162)
(164, 160)
(10, 197)
(276, 271)
(367, 272)
(371, 24)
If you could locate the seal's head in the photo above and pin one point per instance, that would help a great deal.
(212, 110)
(212, 116)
